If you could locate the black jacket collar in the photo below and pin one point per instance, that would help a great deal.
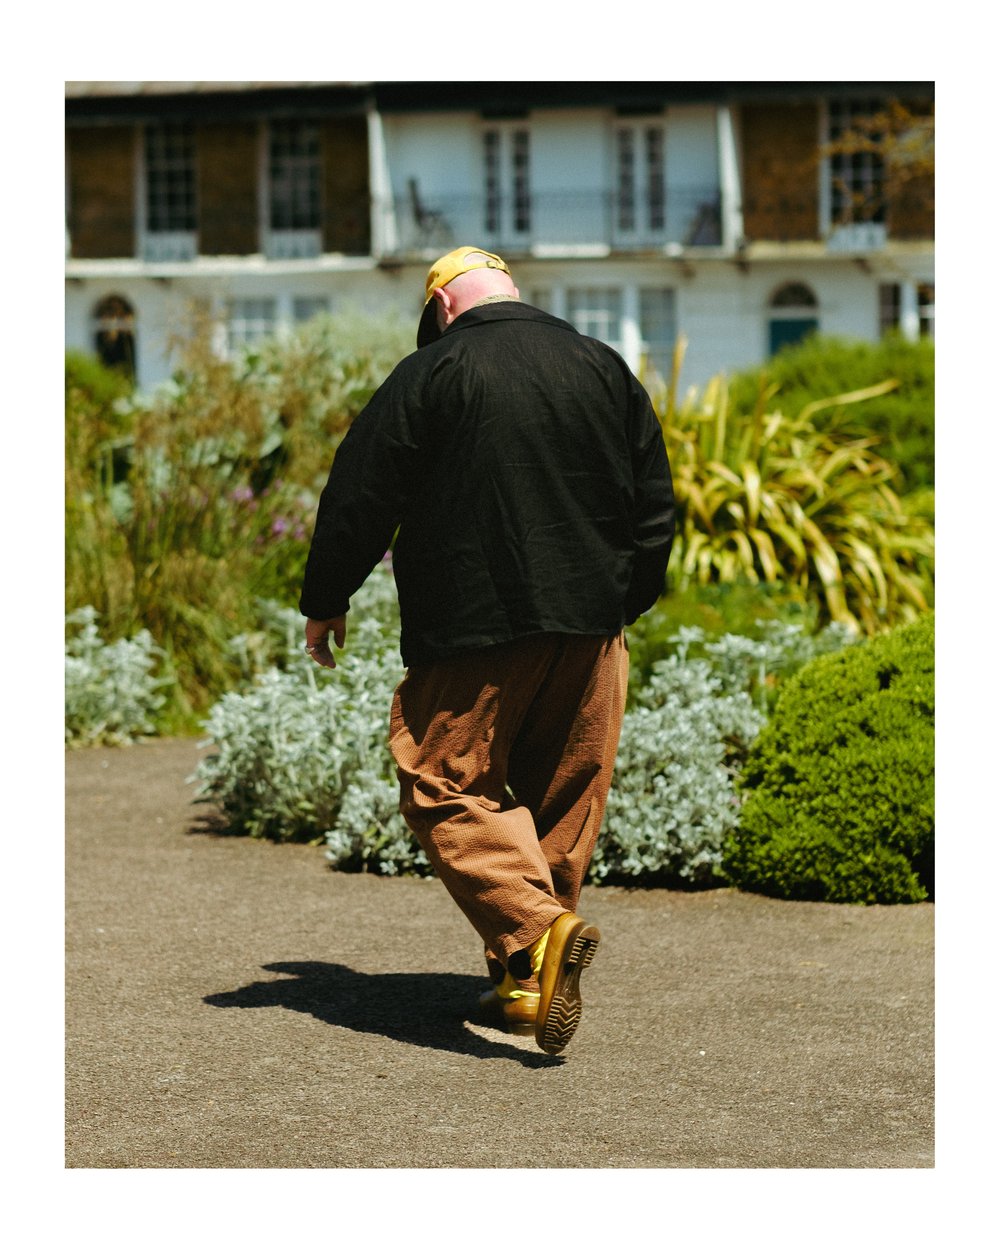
(502, 310)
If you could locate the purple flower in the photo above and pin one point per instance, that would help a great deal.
(242, 494)
(279, 526)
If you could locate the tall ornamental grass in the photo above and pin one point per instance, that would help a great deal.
(770, 496)
(901, 418)
(188, 507)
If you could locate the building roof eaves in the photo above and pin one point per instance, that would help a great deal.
(125, 90)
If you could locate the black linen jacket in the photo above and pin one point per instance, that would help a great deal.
(525, 471)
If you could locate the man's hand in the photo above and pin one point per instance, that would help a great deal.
(317, 633)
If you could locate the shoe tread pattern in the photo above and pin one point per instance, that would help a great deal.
(566, 1007)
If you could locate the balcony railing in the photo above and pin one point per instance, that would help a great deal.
(553, 223)
(568, 221)
(229, 229)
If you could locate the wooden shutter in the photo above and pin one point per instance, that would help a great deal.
(346, 226)
(781, 162)
(911, 210)
(101, 191)
(227, 189)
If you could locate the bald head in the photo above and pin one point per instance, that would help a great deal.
(469, 288)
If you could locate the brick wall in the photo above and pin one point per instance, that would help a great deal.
(102, 191)
(780, 165)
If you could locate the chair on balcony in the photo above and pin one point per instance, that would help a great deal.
(705, 228)
(432, 226)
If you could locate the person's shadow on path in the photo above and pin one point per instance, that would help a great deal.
(421, 1008)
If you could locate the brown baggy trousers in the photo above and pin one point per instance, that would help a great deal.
(505, 758)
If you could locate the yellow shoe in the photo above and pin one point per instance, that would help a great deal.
(509, 1000)
(517, 1015)
(566, 949)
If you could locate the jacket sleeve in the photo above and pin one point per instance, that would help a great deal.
(654, 516)
(371, 481)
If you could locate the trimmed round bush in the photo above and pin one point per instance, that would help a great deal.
(839, 786)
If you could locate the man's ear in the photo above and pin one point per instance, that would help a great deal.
(445, 306)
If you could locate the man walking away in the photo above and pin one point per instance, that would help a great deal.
(525, 471)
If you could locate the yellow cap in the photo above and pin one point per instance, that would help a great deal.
(446, 270)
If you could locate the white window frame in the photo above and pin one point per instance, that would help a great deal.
(245, 325)
(914, 311)
(508, 201)
(555, 297)
(890, 306)
(316, 305)
(648, 346)
(925, 309)
(647, 179)
(852, 236)
(578, 319)
(161, 245)
(289, 243)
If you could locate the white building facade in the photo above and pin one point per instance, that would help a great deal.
(639, 212)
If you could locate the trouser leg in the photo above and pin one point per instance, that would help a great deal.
(451, 728)
(562, 762)
(543, 714)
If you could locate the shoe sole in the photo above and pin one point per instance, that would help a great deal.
(561, 1005)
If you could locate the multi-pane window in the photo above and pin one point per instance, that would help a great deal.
(626, 180)
(250, 319)
(170, 178)
(655, 181)
(641, 196)
(657, 328)
(857, 176)
(925, 308)
(492, 180)
(305, 307)
(294, 175)
(596, 311)
(539, 297)
(889, 304)
(909, 307)
(506, 180)
(520, 175)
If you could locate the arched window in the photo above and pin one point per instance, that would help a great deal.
(793, 295)
(793, 313)
(114, 334)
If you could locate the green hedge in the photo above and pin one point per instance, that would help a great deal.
(839, 786)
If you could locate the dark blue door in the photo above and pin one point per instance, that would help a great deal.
(786, 330)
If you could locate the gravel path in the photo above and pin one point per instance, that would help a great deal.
(235, 1004)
